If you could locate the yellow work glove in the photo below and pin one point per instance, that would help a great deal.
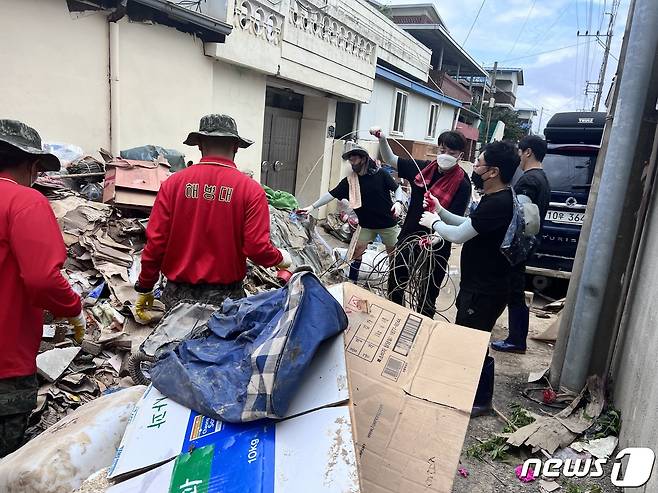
(143, 305)
(287, 260)
(79, 324)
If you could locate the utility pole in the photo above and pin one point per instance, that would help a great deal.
(493, 91)
(606, 54)
(599, 84)
(541, 116)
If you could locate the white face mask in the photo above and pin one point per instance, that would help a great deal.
(446, 161)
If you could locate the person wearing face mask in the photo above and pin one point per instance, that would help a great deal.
(368, 189)
(533, 184)
(207, 220)
(445, 179)
(485, 272)
(32, 254)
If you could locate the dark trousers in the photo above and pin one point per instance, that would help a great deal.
(479, 310)
(425, 302)
(215, 294)
(18, 397)
(519, 313)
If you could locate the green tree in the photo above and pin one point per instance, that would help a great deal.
(513, 129)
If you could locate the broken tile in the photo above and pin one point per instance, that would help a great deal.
(53, 363)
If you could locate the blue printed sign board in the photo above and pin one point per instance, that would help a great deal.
(312, 452)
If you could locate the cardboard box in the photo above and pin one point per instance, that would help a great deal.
(134, 184)
(313, 451)
(411, 381)
(412, 384)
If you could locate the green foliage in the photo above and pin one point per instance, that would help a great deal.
(386, 10)
(496, 447)
(574, 488)
(608, 424)
(513, 129)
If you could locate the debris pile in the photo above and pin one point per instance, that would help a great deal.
(104, 247)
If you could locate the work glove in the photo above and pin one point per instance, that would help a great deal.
(307, 210)
(397, 209)
(79, 323)
(431, 203)
(143, 305)
(377, 132)
(428, 219)
(287, 260)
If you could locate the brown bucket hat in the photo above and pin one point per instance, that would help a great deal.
(217, 126)
(28, 140)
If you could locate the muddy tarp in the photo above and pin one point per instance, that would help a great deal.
(255, 353)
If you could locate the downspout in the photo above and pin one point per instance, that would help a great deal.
(459, 112)
(115, 114)
(633, 90)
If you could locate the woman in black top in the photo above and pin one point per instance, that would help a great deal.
(445, 179)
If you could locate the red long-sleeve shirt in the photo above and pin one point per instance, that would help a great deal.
(32, 253)
(206, 221)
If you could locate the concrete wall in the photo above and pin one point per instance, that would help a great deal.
(240, 93)
(635, 389)
(166, 85)
(55, 72)
(380, 111)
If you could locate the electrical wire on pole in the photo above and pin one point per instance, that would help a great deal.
(606, 54)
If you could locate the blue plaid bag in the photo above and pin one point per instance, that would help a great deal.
(249, 362)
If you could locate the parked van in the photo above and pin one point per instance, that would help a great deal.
(574, 141)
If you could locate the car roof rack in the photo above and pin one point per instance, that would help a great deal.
(576, 127)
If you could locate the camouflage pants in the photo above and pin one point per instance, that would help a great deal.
(174, 292)
(18, 396)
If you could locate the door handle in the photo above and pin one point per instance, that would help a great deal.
(277, 165)
(264, 165)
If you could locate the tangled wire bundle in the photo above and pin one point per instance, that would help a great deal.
(415, 255)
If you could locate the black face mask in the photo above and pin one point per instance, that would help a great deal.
(477, 180)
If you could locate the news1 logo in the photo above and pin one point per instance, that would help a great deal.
(636, 473)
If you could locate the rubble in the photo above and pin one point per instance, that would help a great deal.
(51, 364)
(104, 247)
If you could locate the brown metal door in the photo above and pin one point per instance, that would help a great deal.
(280, 148)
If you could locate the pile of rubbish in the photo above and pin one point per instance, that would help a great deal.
(104, 245)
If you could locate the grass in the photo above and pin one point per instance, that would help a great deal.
(496, 447)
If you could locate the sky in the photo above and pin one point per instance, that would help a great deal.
(529, 34)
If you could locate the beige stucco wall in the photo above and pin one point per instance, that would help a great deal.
(240, 92)
(166, 85)
(55, 71)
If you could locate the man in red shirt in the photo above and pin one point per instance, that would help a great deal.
(32, 254)
(206, 222)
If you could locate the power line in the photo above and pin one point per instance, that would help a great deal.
(544, 52)
(477, 16)
(532, 7)
(542, 37)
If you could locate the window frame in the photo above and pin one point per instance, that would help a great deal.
(405, 98)
(433, 134)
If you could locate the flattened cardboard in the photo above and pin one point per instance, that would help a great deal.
(412, 384)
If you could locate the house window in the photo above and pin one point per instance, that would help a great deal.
(435, 109)
(399, 112)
